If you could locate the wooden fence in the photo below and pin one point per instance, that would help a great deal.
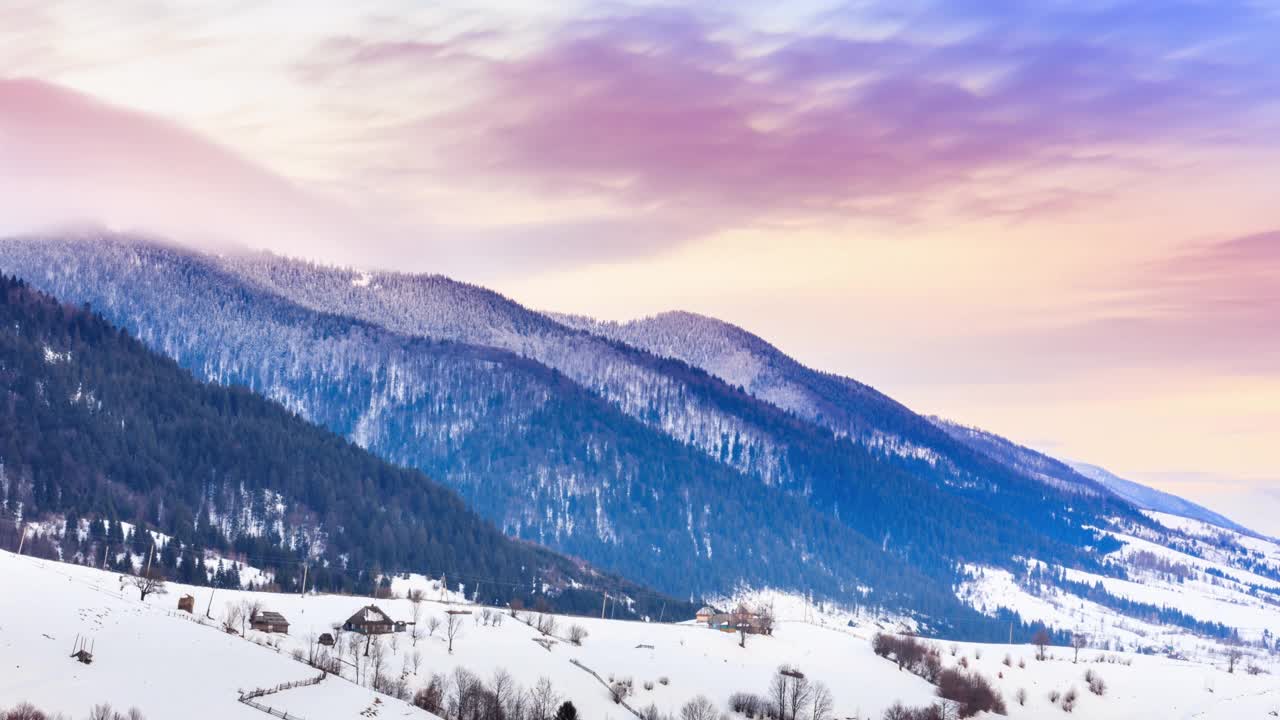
(249, 698)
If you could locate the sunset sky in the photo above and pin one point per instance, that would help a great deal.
(1059, 221)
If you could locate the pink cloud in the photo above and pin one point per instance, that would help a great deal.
(658, 110)
(66, 157)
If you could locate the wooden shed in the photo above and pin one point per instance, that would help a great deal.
(187, 603)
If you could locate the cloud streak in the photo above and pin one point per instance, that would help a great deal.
(664, 110)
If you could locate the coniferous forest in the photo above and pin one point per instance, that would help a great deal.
(98, 429)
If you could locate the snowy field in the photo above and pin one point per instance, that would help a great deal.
(162, 661)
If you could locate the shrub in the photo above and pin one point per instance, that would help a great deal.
(1054, 695)
(745, 703)
(1008, 660)
(898, 711)
(577, 634)
(1097, 685)
(664, 680)
(1021, 696)
(971, 692)
(1069, 700)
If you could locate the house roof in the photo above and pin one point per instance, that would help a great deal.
(267, 616)
(706, 611)
(369, 614)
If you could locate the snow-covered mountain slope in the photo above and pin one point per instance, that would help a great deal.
(850, 408)
(170, 664)
(575, 440)
(1197, 590)
(1149, 498)
(1038, 465)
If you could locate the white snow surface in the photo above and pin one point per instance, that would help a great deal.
(170, 665)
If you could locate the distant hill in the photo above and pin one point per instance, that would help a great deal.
(1149, 498)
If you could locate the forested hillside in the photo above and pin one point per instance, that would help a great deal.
(643, 465)
(97, 427)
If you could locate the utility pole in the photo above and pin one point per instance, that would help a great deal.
(1010, 632)
(150, 554)
(604, 601)
(22, 536)
(664, 611)
(304, 579)
(105, 548)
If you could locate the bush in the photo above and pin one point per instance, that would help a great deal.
(748, 704)
(1097, 685)
(1008, 660)
(971, 692)
(898, 711)
(1054, 696)
(577, 634)
(1069, 700)
(1021, 696)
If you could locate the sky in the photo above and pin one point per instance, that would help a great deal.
(1054, 220)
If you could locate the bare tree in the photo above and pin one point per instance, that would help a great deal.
(577, 634)
(452, 629)
(699, 708)
(823, 707)
(249, 609)
(1078, 640)
(433, 624)
(416, 658)
(542, 700)
(503, 686)
(232, 616)
(416, 596)
(377, 658)
(1041, 640)
(1234, 653)
(353, 648)
(148, 583)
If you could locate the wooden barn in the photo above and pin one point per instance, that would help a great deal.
(269, 622)
(371, 620)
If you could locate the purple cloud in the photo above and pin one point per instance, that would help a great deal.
(664, 111)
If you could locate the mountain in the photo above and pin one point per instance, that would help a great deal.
(98, 428)
(641, 464)
(1035, 464)
(1149, 498)
(850, 408)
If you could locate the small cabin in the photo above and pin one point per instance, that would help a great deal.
(371, 620)
(704, 615)
(187, 603)
(269, 622)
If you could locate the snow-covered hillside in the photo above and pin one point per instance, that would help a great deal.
(1203, 572)
(170, 664)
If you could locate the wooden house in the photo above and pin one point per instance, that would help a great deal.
(371, 620)
(187, 603)
(704, 615)
(269, 622)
